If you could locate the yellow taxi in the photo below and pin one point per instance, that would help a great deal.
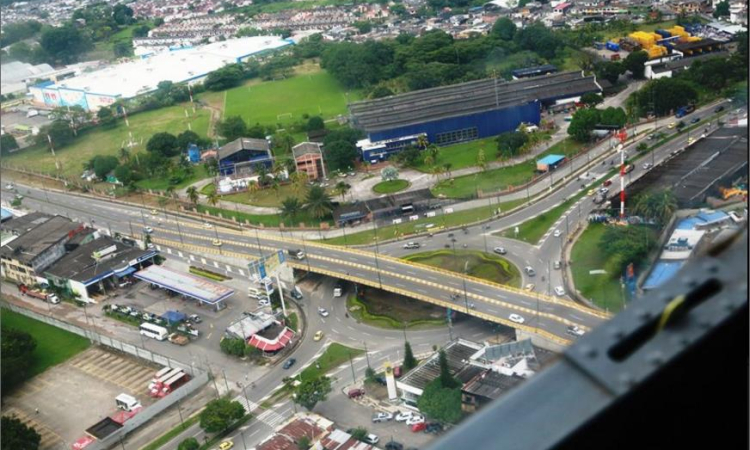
(671, 125)
(226, 445)
(216, 242)
(318, 336)
(591, 192)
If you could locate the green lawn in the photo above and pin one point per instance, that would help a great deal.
(334, 356)
(208, 189)
(267, 220)
(499, 179)
(386, 310)
(315, 93)
(53, 345)
(391, 186)
(463, 154)
(478, 264)
(419, 226)
(586, 255)
(162, 183)
(100, 141)
(263, 197)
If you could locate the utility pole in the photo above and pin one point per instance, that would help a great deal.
(351, 363)
(377, 250)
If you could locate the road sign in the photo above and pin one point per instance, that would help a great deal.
(268, 266)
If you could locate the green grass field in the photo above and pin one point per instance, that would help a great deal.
(264, 197)
(463, 154)
(162, 183)
(266, 220)
(601, 289)
(391, 186)
(315, 93)
(499, 179)
(53, 345)
(100, 141)
(335, 355)
(478, 264)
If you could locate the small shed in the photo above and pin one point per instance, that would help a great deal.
(549, 162)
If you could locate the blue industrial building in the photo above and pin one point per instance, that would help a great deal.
(460, 112)
(244, 155)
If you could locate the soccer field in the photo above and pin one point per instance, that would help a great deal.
(285, 101)
(101, 141)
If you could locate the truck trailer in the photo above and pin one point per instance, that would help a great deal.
(47, 297)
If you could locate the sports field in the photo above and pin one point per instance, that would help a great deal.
(100, 141)
(315, 93)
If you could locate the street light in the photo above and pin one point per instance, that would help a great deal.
(377, 250)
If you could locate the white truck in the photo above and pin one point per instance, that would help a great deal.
(296, 253)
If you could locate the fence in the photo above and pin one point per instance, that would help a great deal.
(199, 377)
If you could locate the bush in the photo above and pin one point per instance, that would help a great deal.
(233, 346)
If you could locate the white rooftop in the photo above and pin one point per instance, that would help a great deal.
(681, 244)
(133, 78)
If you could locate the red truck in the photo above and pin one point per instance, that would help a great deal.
(47, 297)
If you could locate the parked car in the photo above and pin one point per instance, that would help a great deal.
(603, 190)
(393, 445)
(371, 439)
(420, 426)
(411, 245)
(574, 330)
(403, 416)
(382, 417)
(318, 336)
(695, 120)
(289, 363)
(207, 225)
(356, 393)
(607, 183)
(195, 318)
(414, 419)
(671, 125)
(500, 250)
(433, 427)
(263, 302)
(559, 291)
(516, 318)
(322, 311)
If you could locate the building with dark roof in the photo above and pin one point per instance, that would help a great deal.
(97, 266)
(667, 69)
(533, 71)
(40, 243)
(242, 155)
(486, 386)
(460, 112)
(386, 207)
(699, 47)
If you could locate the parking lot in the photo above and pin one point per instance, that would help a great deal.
(66, 399)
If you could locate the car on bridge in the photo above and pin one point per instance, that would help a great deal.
(516, 318)
(557, 233)
(500, 250)
(207, 225)
(559, 291)
(154, 212)
(607, 183)
(574, 330)
(148, 230)
(411, 245)
(216, 243)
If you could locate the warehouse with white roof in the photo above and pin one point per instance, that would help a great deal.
(103, 87)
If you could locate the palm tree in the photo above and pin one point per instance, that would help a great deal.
(213, 198)
(422, 141)
(434, 151)
(447, 168)
(299, 182)
(318, 203)
(342, 188)
(275, 185)
(429, 160)
(170, 191)
(290, 207)
(124, 155)
(664, 205)
(262, 172)
(192, 194)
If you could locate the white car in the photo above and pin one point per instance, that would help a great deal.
(323, 312)
(415, 419)
(516, 318)
(372, 439)
(559, 291)
(262, 303)
(411, 245)
(647, 166)
(575, 331)
(500, 250)
(603, 190)
(148, 230)
(403, 416)
(557, 233)
(207, 226)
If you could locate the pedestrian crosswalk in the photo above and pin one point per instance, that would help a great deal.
(268, 416)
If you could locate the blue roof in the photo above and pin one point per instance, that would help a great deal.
(5, 214)
(688, 224)
(714, 216)
(662, 272)
(703, 218)
(174, 316)
(551, 159)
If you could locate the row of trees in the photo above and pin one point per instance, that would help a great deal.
(586, 119)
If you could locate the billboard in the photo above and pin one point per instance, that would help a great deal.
(51, 97)
(73, 98)
(96, 101)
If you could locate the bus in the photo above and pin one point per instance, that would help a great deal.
(154, 331)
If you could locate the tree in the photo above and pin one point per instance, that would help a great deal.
(188, 137)
(124, 174)
(583, 123)
(290, 207)
(625, 245)
(504, 29)
(58, 131)
(164, 144)
(446, 379)
(304, 443)
(192, 194)
(370, 374)
(510, 143)
(389, 173)
(122, 14)
(613, 116)
(283, 143)
(359, 433)
(409, 156)
(105, 117)
(233, 346)
(315, 123)
(440, 403)
(669, 93)
(232, 128)
(141, 31)
(658, 206)
(318, 203)
(17, 435)
(722, 9)
(340, 154)
(591, 99)
(7, 144)
(481, 160)
(342, 188)
(190, 443)
(103, 165)
(311, 391)
(15, 359)
(224, 78)
(213, 198)
(410, 361)
(635, 63)
(63, 45)
(122, 49)
(219, 414)
(380, 91)
(299, 182)
(610, 71)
